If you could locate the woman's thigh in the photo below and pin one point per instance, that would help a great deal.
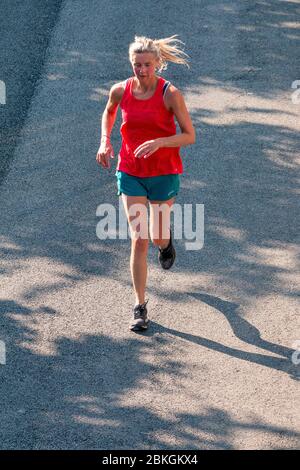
(137, 215)
(160, 212)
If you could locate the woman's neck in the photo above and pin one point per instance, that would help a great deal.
(146, 85)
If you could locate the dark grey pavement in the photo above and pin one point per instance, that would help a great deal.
(215, 369)
(25, 30)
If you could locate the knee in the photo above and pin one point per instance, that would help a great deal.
(160, 238)
(140, 245)
(157, 241)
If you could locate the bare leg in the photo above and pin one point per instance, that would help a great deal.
(160, 212)
(139, 244)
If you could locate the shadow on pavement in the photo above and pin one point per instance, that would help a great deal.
(76, 398)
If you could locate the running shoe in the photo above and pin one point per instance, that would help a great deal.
(140, 321)
(166, 256)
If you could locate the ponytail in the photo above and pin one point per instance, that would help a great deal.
(165, 50)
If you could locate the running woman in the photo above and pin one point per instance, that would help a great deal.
(149, 162)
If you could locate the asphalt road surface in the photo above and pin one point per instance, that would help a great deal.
(217, 369)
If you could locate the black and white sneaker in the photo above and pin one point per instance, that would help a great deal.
(166, 256)
(140, 321)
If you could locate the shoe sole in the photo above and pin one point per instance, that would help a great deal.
(140, 328)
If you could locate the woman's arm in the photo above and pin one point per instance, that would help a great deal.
(175, 102)
(105, 151)
(110, 113)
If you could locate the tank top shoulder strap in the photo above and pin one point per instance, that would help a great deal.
(126, 85)
(165, 87)
(159, 92)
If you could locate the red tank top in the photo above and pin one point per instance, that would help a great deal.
(146, 120)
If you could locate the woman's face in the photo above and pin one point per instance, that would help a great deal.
(144, 64)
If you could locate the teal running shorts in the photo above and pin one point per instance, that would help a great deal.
(155, 188)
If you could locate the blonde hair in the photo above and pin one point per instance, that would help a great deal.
(165, 50)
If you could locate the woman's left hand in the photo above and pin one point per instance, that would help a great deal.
(147, 148)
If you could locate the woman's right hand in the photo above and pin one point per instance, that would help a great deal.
(104, 154)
